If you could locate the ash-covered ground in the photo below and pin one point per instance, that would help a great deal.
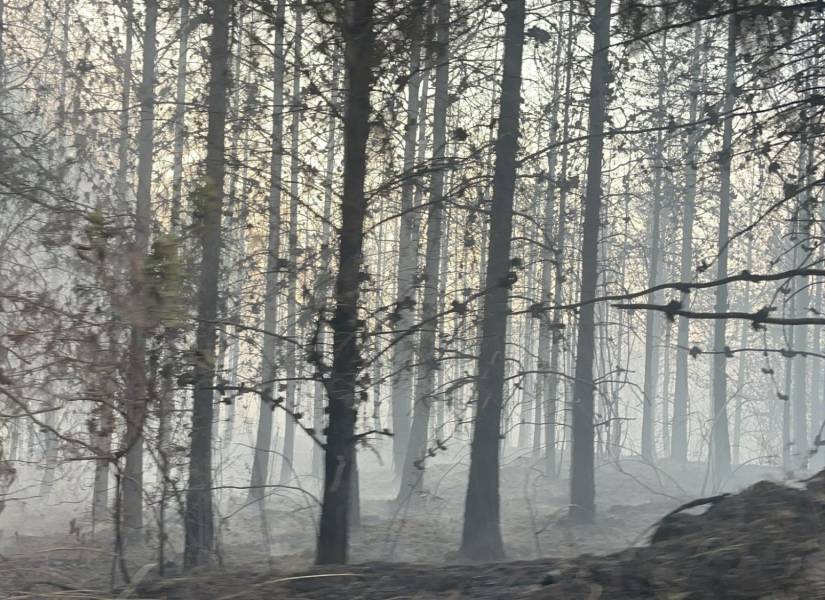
(764, 542)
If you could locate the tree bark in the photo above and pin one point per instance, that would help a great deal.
(326, 254)
(136, 380)
(402, 357)
(263, 440)
(238, 225)
(50, 449)
(623, 335)
(681, 395)
(582, 483)
(166, 401)
(720, 440)
(528, 399)
(818, 376)
(741, 371)
(413, 471)
(481, 535)
(180, 114)
(653, 274)
(441, 334)
(198, 523)
(104, 428)
(2, 53)
(339, 464)
(790, 308)
(802, 243)
(552, 331)
(292, 301)
(100, 496)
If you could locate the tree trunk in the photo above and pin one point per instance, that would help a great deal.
(180, 114)
(817, 384)
(741, 372)
(441, 305)
(528, 399)
(2, 54)
(818, 378)
(166, 401)
(602, 370)
(263, 441)
(653, 274)
(582, 483)
(413, 471)
(104, 429)
(326, 254)
(666, 386)
(50, 449)
(802, 244)
(720, 442)
(136, 381)
(292, 301)
(100, 496)
(125, 108)
(379, 282)
(790, 309)
(481, 535)
(402, 357)
(198, 523)
(339, 464)
(239, 208)
(486, 199)
(552, 331)
(622, 336)
(681, 398)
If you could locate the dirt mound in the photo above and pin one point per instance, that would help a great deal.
(765, 542)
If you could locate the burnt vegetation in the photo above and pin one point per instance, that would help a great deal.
(305, 298)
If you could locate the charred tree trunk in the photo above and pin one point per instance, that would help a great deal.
(402, 358)
(528, 399)
(802, 249)
(582, 483)
(106, 427)
(238, 205)
(681, 396)
(2, 53)
(166, 401)
(481, 536)
(553, 329)
(198, 523)
(292, 300)
(741, 371)
(326, 254)
(50, 448)
(180, 114)
(339, 464)
(136, 381)
(413, 471)
(652, 317)
(720, 439)
(818, 377)
(263, 441)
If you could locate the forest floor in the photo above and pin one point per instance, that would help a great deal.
(767, 541)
